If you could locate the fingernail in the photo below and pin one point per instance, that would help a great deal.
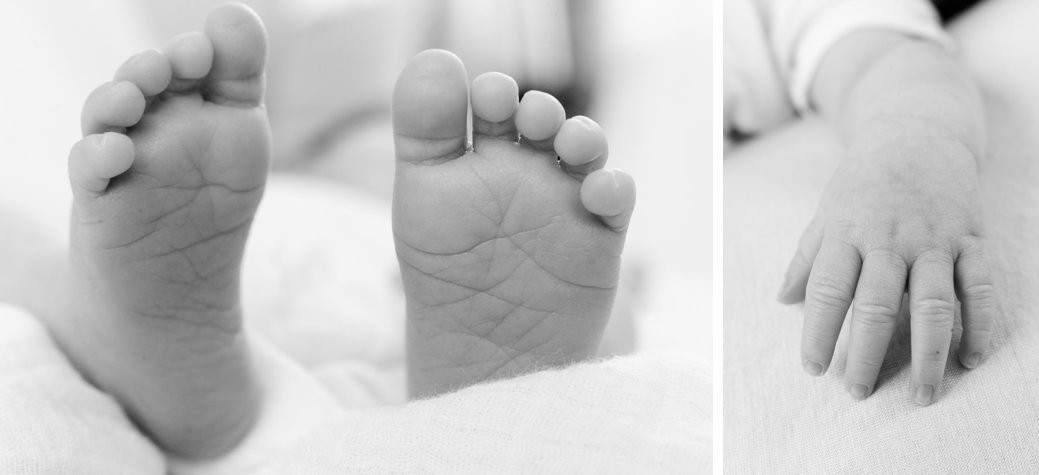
(859, 391)
(924, 394)
(812, 368)
(973, 360)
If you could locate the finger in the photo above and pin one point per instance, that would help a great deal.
(978, 302)
(831, 287)
(878, 300)
(931, 310)
(796, 280)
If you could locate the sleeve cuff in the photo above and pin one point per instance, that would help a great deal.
(915, 19)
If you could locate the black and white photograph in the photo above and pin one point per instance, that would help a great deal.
(357, 236)
(519, 237)
(880, 207)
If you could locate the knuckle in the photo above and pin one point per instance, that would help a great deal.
(843, 227)
(873, 315)
(981, 296)
(885, 256)
(972, 245)
(866, 307)
(978, 328)
(977, 338)
(935, 256)
(933, 311)
(830, 293)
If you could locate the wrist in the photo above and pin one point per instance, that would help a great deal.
(914, 136)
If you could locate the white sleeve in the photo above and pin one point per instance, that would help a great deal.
(802, 31)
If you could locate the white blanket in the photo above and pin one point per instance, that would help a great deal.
(778, 420)
(642, 414)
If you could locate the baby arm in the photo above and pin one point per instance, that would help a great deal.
(902, 212)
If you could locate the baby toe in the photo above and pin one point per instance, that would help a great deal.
(538, 118)
(96, 159)
(149, 70)
(112, 105)
(609, 194)
(495, 98)
(190, 56)
(581, 146)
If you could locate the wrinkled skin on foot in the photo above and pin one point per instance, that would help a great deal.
(181, 214)
(506, 268)
(505, 265)
(166, 182)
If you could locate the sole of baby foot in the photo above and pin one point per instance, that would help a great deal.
(166, 181)
(509, 252)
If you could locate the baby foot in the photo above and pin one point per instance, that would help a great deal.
(165, 182)
(509, 257)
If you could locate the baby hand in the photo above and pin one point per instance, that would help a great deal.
(896, 212)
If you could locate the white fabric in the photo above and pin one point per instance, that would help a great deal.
(51, 420)
(774, 47)
(641, 414)
(779, 420)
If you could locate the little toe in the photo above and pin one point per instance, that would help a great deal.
(430, 105)
(239, 42)
(609, 194)
(149, 70)
(581, 146)
(112, 106)
(96, 159)
(191, 57)
(538, 118)
(495, 97)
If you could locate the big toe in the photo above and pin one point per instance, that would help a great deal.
(430, 105)
(239, 53)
